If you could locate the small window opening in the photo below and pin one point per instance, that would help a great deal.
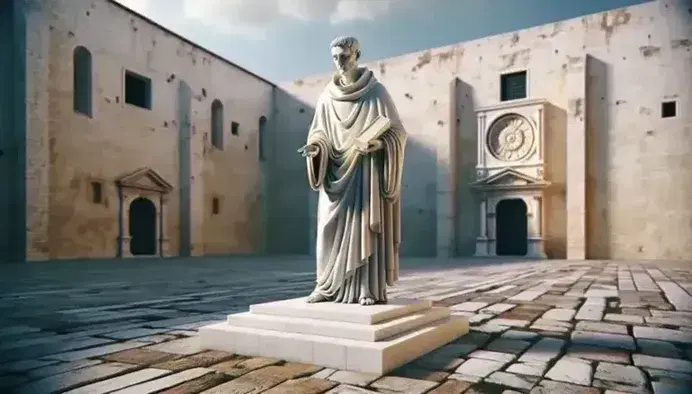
(96, 192)
(513, 86)
(137, 90)
(81, 89)
(215, 208)
(217, 124)
(260, 138)
(234, 128)
(669, 109)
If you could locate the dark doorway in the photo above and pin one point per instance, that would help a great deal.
(142, 227)
(511, 228)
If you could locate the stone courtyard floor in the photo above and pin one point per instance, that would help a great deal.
(537, 327)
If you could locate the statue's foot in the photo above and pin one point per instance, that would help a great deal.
(367, 301)
(316, 297)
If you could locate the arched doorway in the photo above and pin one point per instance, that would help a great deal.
(511, 228)
(142, 227)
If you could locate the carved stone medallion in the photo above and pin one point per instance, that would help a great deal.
(510, 138)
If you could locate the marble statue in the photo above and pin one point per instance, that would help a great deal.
(355, 156)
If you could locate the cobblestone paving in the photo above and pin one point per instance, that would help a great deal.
(537, 327)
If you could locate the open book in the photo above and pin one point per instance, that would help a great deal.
(372, 132)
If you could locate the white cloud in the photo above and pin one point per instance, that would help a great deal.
(256, 16)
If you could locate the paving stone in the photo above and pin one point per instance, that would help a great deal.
(353, 378)
(95, 351)
(601, 327)
(438, 362)
(158, 338)
(671, 387)
(598, 354)
(198, 385)
(550, 387)
(602, 339)
(25, 365)
(653, 347)
(139, 357)
(669, 321)
(658, 374)
(451, 387)
(265, 378)
(117, 383)
(346, 389)
(478, 318)
(490, 328)
(663, 334)
(635, 312)
(165, 382)
(495, 356)
(323, 374)
(59, 368)
(519, 335)
(468, 306)
(476, 338)
(544, 350)
(184, 346)
(514, 346)
(478, 368)
(626, 374)
(512, 380)
(403, 385)
(668, 364)
(238, 367)
(414, 372)
(69, 379)
(465, 378)
(528, 368)
(619, 318)
(302, 386)
(559, 314)
(497, 309)
(510, 322)
(614, 386)
(133, 333)
(571, 370)
(204, 359)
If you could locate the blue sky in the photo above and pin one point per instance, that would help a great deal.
(283, 40)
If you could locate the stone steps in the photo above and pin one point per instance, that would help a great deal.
(372, 339)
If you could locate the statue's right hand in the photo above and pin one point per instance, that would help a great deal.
(309, 150)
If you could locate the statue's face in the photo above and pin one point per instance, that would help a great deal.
(344, 59)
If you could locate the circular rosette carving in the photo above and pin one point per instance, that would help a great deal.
(511, 138)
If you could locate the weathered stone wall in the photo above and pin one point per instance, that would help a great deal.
(621, 174)
(70, 150)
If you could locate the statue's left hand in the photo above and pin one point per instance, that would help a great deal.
(374, 146)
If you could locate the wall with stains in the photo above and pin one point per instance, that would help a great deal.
(68, 151)
(621, 173)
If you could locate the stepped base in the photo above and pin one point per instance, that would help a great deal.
(372, 339)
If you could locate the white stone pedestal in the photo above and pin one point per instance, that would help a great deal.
(373, 339)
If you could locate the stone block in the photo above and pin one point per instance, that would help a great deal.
(380, 347)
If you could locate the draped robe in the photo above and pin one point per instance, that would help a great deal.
(359, 213)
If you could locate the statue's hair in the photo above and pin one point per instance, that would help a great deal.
(346, 42)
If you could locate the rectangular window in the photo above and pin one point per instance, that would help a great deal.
(137, 90)
(669, 109)
(215, 208)
(234, 128)
(513, 86)
(96, 192)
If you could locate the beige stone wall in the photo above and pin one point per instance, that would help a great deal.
(621, 174)
(68, 150)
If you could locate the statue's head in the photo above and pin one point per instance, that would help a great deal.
(345, 54)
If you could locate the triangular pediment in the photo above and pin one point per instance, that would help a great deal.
(145, 178)
(509, 179)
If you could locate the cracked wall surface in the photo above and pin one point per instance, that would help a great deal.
(623, 184)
